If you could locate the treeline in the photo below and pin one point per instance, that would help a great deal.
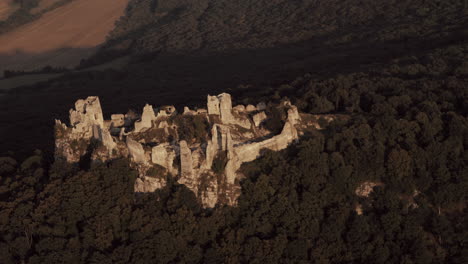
(408, 131)
(183, 26)
(46, 69)
(151, 29)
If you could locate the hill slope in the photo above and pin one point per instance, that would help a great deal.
(61, 37)
(222, 25)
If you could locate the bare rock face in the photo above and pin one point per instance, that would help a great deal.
(146, 119)
(293, 115)
(164, 156)
(137, 153)
(213, 105)
(187, 111)
(212, 147)
(104, 136)
(221, 105)
(239, 108)
(365, 188)
(87, 113)
(250, 108)
(209, 197)
(117, 120)
(185, 160)
(148, 184)
(259, 118)
(207, 165)
(225, 108)
(87, 124)
(188, 176)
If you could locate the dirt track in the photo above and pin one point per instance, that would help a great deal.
(61, 37)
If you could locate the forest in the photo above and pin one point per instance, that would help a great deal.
(408, 131)
(399, 69)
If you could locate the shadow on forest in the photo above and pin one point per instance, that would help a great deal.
(172, 197)
(27, 113)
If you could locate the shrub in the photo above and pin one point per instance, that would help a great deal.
(157, 171)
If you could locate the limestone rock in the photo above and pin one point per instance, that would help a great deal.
(212, 147)
(239, 108)
(188, 176)
(365, 188)
(163, 124)
(168, 109)
(117, 120)
(161, 114)
(163, 155)
(105, 137)
(146, 118)
(185, 160)
(213, 105)
(148, 184)
(259, 118)
(137, 153)
(225, 108)
(243, 122)
(293, 115)
(187, 111)
(87, 113)
(209, 197)
(250, 108)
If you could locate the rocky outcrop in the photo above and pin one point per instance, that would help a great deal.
(213, 105)
(187, 111)
(117, 120)
(186, 169)
(221, 106)
(87, 124)
(103, 135)
(163, 155)
(208, 165)
(148, 184)
(225, 108)
(293, 115)
(250, 108)
(137, 153)
(147, 119)
(259, 118)
(87, 112)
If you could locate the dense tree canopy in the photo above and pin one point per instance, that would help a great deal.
(407, 131)
(402, 83)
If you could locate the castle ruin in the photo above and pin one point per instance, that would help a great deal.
(202, 149)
